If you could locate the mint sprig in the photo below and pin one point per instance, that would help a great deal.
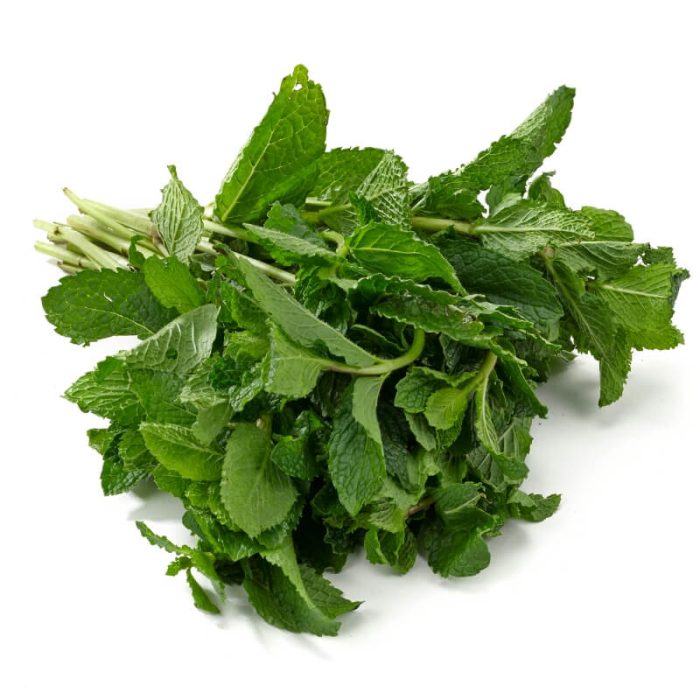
(333, 357)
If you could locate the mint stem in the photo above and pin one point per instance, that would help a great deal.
(428, 224)
(421, 505)
(97, 212)
(134, 220)
(89, 227)
(64, 255)
(386, 366)
(433, 225)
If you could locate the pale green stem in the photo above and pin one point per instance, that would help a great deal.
(433, 225)
(89, 227)
(76, 242)
(216, 227)
(317, 203)
(269, 270)
(422, 223)
(103, 258)
(482, 375)
(332, 210)
(386, 366)
(68, 268)
(421, 505)
(134, 220)
(339, 241)
(97, 213)
(64, 255)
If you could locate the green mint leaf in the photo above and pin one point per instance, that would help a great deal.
(286, 218)
(342, 170)
(123, 466)
(397, 550)
(324, 595)
(157, 540)
(278, 601)
(237, 307)
(504, 437)
(294, 456)
(445, 408)
(422, 432)
(504, 281)
(504, 464)
(409, 466)
(299, 323)
(641, 301)
(531, 506)
(317, 593)
(177, 449)
(100, 439)
(456, 503)
(134, 453)
(178, 219)
(456, 322)
(180, 345)
(454, 540)
(181, 563)
(289, 250)
(355, 454)
(128, 396)
(395, 251)
(418, 385)
(201, 598)
(255, 493)
(211, 420)
(365, 395)
(279, 160)
(95, 304)
(385, 189)
(159, 395)
(292, 371)
(172, 284)
(456, 551)
(596, 332)
(604, 259)
(522, 230)
(608, 225)
(221, 539)
(106, 391)
(511, 159)
(541, 190)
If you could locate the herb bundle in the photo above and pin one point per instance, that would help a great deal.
(333, 357)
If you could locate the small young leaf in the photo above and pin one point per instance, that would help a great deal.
(178, 218)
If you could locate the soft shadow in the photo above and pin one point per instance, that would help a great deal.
(156, 505)
(236, 609)
(573, 388)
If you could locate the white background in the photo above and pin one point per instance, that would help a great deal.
(601, 600)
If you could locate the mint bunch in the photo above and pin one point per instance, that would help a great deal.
(335, 358)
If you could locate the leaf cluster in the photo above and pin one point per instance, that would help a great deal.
(337, 358)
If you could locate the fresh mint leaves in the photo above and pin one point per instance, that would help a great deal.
(334, 358)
